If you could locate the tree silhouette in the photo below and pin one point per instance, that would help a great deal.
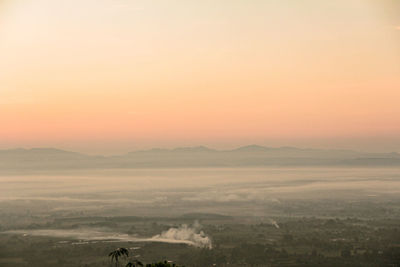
(135, 263)
(119, 252)
(162, 264)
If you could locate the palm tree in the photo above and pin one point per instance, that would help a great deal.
(119, 252)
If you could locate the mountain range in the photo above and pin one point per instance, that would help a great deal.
(47, 159)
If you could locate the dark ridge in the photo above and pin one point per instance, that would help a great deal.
(252, 148)
(193, 149)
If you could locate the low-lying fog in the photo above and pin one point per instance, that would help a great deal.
(226, 182)
(176, 191)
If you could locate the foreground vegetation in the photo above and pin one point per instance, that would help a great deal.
(237, 242)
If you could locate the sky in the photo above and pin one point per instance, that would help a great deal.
(111, 76)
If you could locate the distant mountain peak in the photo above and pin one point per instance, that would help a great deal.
(193, 149)
(152, 150)
(178, 149)
(252, 148)
(48, 149)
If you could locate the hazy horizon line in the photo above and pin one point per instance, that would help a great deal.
(193, 147)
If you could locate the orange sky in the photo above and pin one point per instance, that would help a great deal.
(109, 76)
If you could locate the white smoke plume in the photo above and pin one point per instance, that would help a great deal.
(274, 223)
(189, 235)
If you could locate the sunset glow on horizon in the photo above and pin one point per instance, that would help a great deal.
(111, 76)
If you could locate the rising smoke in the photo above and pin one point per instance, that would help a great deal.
(274, 223)
(191, 235)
